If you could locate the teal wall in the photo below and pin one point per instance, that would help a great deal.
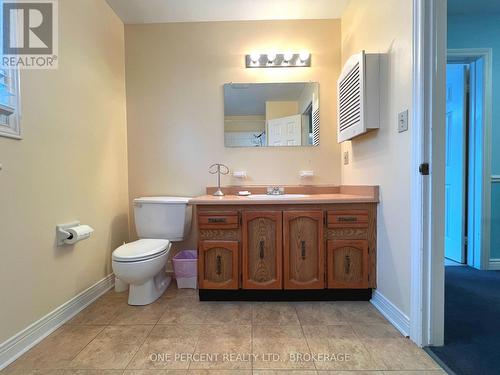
(483, 31)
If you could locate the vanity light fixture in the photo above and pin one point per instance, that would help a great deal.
(271, 58)
(304, 56)
(278, 60)
(254, 57)
(287, 57)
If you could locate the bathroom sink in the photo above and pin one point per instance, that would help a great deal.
(274, 197)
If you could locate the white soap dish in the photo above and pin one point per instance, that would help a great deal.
(244, 193)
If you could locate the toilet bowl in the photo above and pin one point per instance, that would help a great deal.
(141, 264)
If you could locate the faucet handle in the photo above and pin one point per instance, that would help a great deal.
(275, 190)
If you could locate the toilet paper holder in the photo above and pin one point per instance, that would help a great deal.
(66, 237)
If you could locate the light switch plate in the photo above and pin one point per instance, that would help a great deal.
(346, 157)
(403, 121)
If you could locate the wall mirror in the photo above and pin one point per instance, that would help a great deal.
(271, 114)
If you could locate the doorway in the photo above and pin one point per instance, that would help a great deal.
(464, 155)
(428, 156)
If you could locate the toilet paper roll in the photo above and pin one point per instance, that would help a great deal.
(78, 233)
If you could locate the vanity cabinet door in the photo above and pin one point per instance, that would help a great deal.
(218, 264)
(304, 257)
(348, 264)
(262, 249)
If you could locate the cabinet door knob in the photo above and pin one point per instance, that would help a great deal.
(218, 265)
(347, 264)
(261, 249)
(303, 249)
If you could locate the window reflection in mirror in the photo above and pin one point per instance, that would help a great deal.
(271, 114)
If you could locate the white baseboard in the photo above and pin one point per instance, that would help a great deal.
(494, 265)
(20, 343)
(394, 315)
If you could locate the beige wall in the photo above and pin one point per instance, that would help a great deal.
(382, 157)
(276, 110)
(70, 164)
(175, 110)
(248, 123)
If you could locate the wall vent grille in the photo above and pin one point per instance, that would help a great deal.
(358, 96)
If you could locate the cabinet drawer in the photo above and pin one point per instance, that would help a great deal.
(218, 220)
(348, 219)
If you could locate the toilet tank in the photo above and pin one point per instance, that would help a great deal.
(162, 217)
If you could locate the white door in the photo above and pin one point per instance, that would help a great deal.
(285, 131)
(455, 162)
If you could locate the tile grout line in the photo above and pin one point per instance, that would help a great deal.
(145, 339)
(104, 326)
(82, 349)
(194, 349)
(138, 348)
(197, 341)
(251, 337)
(362, 341)
(305, 338)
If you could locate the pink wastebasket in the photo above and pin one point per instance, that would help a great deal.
(186, 269)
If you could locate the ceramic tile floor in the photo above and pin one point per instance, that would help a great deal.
(180, 335)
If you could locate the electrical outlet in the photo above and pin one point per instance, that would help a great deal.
(346, 157)
(403, 121)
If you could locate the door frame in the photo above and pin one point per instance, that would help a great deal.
(480, 199)
(427, 191)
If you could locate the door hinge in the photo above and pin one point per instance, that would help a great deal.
(424, 169)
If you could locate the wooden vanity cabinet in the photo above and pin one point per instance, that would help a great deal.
(262, 250)
(304, 257)
(287, 246)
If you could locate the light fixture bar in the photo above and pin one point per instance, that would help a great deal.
(278, 60)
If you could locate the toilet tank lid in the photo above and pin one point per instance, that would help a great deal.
(180, 200)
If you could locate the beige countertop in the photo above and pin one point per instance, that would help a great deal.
(306, 199)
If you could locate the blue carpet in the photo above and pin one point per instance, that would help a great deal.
(472, 322)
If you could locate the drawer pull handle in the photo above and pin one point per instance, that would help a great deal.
(347, 264)
(303, 249)
(261, 249)
(219, 265)
(347, 218)
(217, 219)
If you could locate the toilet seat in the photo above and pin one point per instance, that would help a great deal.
(140, 250)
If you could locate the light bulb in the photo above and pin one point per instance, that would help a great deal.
(304, 56)
(271, 56)
(254, 57)
(287, 56)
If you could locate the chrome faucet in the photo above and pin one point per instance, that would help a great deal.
(275, 190)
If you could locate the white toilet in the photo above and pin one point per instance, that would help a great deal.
(141, 264)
